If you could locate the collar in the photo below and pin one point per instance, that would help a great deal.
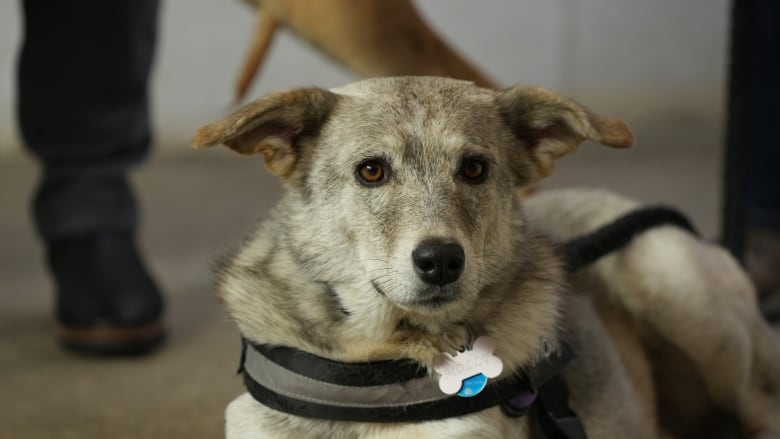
(303, 384)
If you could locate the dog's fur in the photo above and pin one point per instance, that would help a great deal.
(330, 272)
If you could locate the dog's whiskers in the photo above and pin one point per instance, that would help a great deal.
(374, 260)
(378, 279)
(373, 270)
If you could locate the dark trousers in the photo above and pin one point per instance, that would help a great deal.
(752, 163)
(83, 108)
(763, 176)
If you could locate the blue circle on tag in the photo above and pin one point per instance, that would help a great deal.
(473, 385)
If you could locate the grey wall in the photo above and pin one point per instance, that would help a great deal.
(629, 58)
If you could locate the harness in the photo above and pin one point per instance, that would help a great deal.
(306, 385)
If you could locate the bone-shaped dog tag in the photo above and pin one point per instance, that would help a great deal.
(467, 373)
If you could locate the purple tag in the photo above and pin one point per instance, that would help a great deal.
(523, 400)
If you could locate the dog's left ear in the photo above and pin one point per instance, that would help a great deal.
(551, 126)
(277, 125)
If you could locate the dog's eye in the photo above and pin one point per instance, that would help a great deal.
(473, 170)
(371, 172)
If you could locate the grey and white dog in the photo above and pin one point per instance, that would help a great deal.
(400, 223)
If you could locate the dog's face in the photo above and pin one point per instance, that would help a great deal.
(414, 175)
(404, 187)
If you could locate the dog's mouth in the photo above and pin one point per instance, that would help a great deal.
(434, 302)
(429, 298)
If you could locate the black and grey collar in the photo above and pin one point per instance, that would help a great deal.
(302, 384)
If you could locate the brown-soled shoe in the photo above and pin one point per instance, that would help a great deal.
(107, 303)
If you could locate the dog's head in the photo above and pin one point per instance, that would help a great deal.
(404, 187)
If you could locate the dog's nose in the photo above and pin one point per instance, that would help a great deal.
(438, 263)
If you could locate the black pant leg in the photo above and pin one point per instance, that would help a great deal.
(83, 108)
(763, 156)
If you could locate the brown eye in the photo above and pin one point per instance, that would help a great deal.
(371, 172)
(473, 170)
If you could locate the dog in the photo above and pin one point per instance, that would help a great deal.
(369, 37)
(401, 238)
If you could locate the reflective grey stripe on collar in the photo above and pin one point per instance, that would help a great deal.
(292, 385)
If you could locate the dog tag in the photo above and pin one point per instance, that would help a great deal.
(467, 373)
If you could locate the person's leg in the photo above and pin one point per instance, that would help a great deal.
(752, 227)
(83, 110)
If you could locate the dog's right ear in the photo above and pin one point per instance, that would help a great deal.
(275, 125)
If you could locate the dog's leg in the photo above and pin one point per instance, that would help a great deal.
(603, 385)
(619, 325)
(261, 41)
(694, 296)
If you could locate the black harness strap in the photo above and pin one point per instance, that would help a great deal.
(587, 249)
(556, 419)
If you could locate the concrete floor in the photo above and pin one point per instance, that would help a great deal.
(197, 204)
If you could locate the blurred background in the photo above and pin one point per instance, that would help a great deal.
(659, 65)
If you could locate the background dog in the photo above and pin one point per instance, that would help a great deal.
(400, 223)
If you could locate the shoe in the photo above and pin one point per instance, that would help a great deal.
(107, 303)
